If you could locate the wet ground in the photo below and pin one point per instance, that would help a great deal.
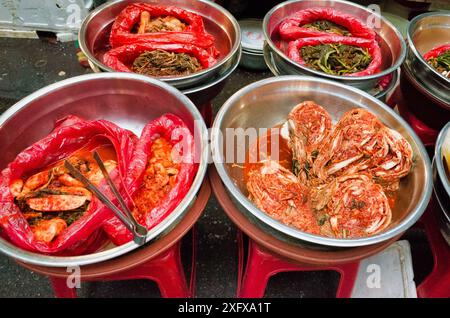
(27, 65)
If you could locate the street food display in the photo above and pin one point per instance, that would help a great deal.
(330, 41)
(159, 41)
(339, 181)
(46, 209)
(338, 177)
(439, 59)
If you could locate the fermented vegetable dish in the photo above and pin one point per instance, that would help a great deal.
(334, 180)
(159, 176)
(159, 41)
(331, 42)
(336, 59)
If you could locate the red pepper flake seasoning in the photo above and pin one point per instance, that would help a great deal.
(159, 178)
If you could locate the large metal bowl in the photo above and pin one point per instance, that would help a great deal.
(95, 29)
(426, 32)
(130, 101)
(393, 47)
(381, 94)
(442, 182)
(267, 103)
(205, 92)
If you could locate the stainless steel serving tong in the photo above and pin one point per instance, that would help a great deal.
(127, 218)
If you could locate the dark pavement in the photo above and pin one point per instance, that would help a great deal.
(27, 65)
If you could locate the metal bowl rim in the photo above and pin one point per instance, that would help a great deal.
(409, 220)
(389, 70)
(60, 261)
(442, 175)
(436, 193)
(168, 79)
(214, 81)
(412, 47)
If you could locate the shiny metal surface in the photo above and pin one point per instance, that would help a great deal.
(267, 103)
(375, 92)
(393, 47)
(94, 36)
(205, 92)
(253, 61)
(426, 32)
(442, 182)
(130, 101)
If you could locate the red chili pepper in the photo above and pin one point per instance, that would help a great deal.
(292, 27)
(194, 33)
(436, 52)
(122, 57)
(175, 131)
(371, 45)
(69, 136)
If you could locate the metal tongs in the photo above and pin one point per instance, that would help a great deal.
(139, 232)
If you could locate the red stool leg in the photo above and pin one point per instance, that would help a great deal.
(60, 288)
(166, 270)
(348, 274)
(437, 284)
(261, 265)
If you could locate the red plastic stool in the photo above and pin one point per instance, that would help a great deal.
(437, 284)
(159, 261)
(269, 255)
(166, 270)
(262, 264)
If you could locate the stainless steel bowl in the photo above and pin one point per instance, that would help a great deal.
(442, 182)
(375, 92)
(393, 47)
(205, 92)
(130, 101)
(267, 103)
(426, 32)
(95, 29)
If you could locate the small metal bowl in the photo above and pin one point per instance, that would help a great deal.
(130, 101)
(426, 32)
(442, 182)
(393, 47)
(95, 29)
(267, 103)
